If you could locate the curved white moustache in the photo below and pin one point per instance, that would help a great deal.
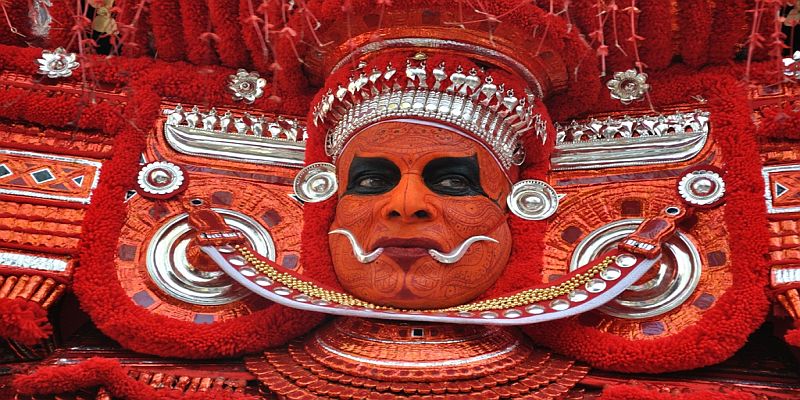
(445, 258)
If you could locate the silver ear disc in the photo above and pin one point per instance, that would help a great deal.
(532, 200)
(316, 182)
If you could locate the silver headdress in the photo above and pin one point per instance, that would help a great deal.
(469, 100)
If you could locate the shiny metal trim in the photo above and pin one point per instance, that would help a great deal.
(170, 270)
(25, 261)
(622, 142)
(681, 247)
(625, 152)
(446, 44)
(233, 147)
(456, 254)
(324, 307)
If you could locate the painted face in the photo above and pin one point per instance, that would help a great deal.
(411, 195)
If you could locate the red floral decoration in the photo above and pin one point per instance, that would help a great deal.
(227, 25)
(724, 328)
(109, 374)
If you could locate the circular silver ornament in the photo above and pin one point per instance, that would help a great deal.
(316, 182)
(675, 277)
(701, 187)
(532, 200)
(246, 86)
(160, 178)
(58, 63)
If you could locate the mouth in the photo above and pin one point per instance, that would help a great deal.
(406, 249)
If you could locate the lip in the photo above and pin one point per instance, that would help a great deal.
(408, 243)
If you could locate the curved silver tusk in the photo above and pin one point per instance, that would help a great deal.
(455, 255)
(357, 250)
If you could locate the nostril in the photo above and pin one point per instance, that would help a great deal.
(421, 214)
(393, 214)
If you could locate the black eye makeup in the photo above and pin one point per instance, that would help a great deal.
(371, 176)
(453, 176)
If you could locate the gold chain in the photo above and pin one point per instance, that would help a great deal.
(522, 298)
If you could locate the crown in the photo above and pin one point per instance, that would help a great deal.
(471, 100)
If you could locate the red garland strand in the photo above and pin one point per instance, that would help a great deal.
(655, 25)
(694, 21)
(196, 32)
(730, 25)
(110, 308)
(63, 14)
(227, 25)
(257, 39)
(166, 21)
(635, 392)
(23, 321)
(724, 328)
(109, 374)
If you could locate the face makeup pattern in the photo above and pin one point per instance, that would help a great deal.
(420, 193)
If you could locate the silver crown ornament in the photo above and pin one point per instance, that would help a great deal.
(467, 99)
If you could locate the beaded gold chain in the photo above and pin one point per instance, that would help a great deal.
(522, 298)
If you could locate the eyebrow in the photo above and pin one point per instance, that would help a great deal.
(364, 165)
(467, 167)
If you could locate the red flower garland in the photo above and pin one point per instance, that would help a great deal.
(730, 25)
(196, 32)
(228, 27)
(167, 24)
(109, 374)
(724, 328)
(634, 392)
(694, 20)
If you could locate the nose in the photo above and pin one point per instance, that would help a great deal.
(407, 201)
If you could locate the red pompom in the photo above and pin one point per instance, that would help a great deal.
(24, 321)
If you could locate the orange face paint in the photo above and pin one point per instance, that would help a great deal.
(409, 187)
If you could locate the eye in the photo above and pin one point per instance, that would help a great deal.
(372, 182)
(453, 183)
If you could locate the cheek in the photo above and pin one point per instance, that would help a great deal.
(357, 213)
(471, 216)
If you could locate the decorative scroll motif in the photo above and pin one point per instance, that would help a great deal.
(781, 188)
(474, 103)
(48, 176)
(236, 136)
(628, 141)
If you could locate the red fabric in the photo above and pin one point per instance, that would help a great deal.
(635, 392)
(24, 321)
(724, 328)
(17, 13)
(792, 337)
(109, 374)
